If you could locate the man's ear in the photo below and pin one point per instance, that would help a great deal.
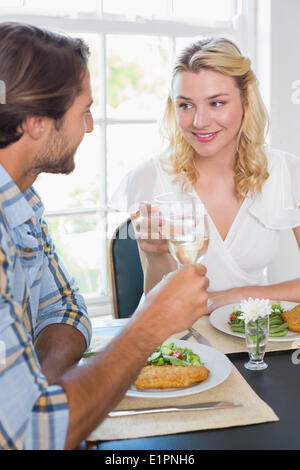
(34, 126)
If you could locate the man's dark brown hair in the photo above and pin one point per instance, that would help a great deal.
(42, 72)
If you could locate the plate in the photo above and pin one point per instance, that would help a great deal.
(219, 319)
(218, 364)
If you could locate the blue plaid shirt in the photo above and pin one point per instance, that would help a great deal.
(35, 291)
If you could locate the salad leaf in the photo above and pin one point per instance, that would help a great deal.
(277, 308)
(163, 355)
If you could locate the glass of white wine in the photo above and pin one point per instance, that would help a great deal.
(185, 227)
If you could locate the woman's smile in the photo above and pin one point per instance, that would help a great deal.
(207, 137)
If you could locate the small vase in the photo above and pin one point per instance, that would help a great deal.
(257, 333)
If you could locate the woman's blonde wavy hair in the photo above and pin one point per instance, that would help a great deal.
(221, 55)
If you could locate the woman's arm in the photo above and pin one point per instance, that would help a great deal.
(297, 234)
(288, 290)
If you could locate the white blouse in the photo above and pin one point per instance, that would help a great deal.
(253, 239)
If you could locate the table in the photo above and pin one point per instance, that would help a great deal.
(278, 386)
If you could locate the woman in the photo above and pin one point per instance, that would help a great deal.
(215, 123)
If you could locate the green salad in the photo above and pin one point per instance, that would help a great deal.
(89, 354)
(169, 353)
(277, 327)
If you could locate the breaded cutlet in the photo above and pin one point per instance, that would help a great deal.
(292, 318)
(170, 376)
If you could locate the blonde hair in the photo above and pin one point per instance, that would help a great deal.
(221, 55)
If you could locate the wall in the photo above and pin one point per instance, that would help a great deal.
(284, 37)
(285, 70)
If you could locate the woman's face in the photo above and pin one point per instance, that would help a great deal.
(209, 111)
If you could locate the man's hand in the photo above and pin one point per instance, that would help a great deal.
(177, 301)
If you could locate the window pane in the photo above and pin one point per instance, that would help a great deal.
(80, 188)
(59, 6)
(138, 7)
(11, 4)
(128, 146)
(137, 76)
(78, 242)
(202, 9)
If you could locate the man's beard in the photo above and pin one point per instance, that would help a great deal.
(55, 157)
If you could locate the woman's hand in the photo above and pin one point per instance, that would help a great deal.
(223, 297)
(147, 227)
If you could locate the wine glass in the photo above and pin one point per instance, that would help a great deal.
(185, 227)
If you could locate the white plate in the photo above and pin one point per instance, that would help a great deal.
(219, 318)
(218, 364)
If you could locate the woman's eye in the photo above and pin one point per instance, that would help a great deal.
(217, 104)
(184, 106)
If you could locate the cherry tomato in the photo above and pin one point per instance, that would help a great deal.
(232, 317)
(177, 354)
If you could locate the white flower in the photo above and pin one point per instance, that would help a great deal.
(253, 309)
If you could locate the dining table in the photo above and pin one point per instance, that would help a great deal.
(276, 388)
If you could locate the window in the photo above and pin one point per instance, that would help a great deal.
(133, 43)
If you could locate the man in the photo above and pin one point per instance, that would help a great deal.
(46, 403)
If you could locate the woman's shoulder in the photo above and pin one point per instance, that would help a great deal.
(277, 158)
(137, 185)
(146, 168)
(151, 171)
(284, 166)
(277, 207)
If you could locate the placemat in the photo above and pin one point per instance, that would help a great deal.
(232, 344)
(235, 388)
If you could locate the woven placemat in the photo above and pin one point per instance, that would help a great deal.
(234, 388)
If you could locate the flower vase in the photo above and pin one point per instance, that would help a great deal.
(257, 332)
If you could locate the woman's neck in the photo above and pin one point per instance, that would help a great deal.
(215, 166)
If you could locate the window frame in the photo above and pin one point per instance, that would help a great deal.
(242, 27)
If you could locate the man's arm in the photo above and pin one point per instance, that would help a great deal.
(63, 329)
(58, 347)
(93, 390)
(34, 415)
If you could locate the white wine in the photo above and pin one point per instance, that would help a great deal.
(186, 251)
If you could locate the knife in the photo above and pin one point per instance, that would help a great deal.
(213, 405)
(185, 337)
(198, 337)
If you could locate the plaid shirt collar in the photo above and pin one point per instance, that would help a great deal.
(18, 207)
